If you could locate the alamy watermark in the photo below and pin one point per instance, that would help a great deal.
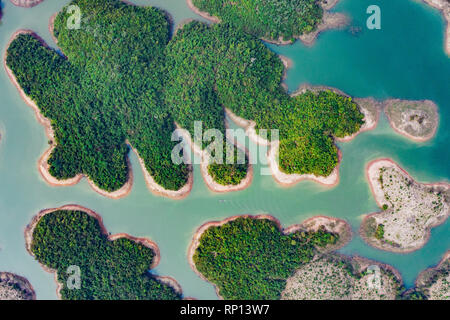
(220, 148)
(74, 279)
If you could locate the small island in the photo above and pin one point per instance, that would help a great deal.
(14, 287)
(410, 209)
(417, 120)
(338, 277)
(251, 257)
(279, 22)
(112, 267)
(433, 283)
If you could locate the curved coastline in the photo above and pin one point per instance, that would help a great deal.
(421, 277)
(297, 286)
(26, 3)
(389, 104)
(329, 21)
(43, 164)
(369, 107)
(207, 178)
(195, 242)
(159, 190)
(203, 14)
(21, 282)
(444, 7)
(287, 180)
(149, 181)
(29, 229)
(428, 281)
(331, 224)
(378, 163)
(424, 276)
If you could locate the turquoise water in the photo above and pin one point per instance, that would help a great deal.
(404, 59)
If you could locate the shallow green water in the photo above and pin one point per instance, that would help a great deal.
(405, 59)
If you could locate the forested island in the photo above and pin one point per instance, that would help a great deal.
(274, 21)
(14, 287)
(339, 277)
(409, 209)
(94, 100)
(111, 267)
(250, 257)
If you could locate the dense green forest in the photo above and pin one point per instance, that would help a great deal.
(109, 269)
(251, 258)
(123, 78)
(269, 19)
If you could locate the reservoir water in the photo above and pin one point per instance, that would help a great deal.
(405, 59)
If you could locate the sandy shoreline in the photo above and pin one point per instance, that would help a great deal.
(195, 242)
(280, 177)
(372, 176)
(28, 233)
(444, 7)
(329, 21)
